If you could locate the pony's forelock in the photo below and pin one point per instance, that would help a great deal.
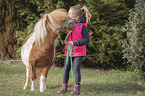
(57, 16)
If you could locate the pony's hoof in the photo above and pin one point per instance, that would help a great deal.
(24, 88)
(42, 90)
(45, 88)
(32, 89)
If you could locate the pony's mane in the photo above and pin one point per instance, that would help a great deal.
(55, 17)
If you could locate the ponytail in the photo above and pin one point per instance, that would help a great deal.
(87, 13)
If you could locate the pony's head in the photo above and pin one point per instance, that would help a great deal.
(57, 21)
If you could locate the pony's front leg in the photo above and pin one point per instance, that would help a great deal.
(27, 79)
(32, 85)
(43, 78)
(42, 83)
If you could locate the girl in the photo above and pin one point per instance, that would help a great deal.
(79, 38)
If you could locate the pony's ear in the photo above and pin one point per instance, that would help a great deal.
(47, 18)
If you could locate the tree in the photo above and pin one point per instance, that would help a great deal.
(134, 47)
(9, 22)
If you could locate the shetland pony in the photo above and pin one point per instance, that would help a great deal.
(38, 49)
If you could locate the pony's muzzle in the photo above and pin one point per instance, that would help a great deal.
(72, 24)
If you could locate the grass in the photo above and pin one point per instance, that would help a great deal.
(94, 82)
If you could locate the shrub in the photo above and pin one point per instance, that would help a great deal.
(134, 47)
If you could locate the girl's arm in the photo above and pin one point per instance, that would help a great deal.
(85, 36)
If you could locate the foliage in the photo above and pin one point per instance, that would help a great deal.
(32, 10)
(130, 3)
(134, 47)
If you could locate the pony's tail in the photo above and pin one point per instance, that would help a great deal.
(40, 31)
(87, 13)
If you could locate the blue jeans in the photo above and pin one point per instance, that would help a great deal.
(67, 67)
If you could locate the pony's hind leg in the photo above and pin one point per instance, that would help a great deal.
(27, 79)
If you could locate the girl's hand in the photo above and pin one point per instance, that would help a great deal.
(71, 43)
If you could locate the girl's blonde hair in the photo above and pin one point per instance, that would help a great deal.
(76, 11)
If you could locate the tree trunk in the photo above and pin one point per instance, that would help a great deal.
(10, 23)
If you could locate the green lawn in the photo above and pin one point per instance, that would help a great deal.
(94, 82)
